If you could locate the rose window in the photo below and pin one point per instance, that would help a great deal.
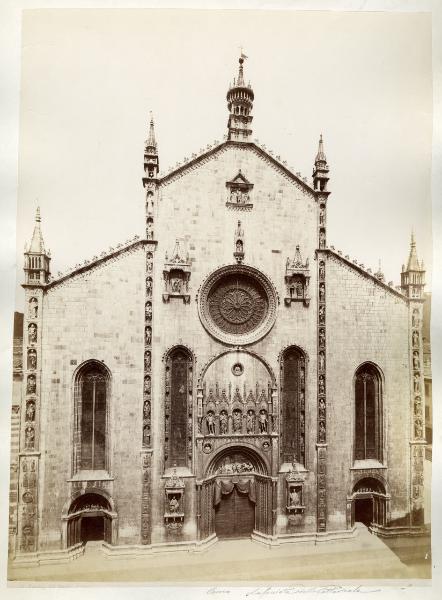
(237, 304)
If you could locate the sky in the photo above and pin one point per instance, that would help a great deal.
(90, 77)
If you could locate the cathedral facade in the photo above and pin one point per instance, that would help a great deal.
(227, 375)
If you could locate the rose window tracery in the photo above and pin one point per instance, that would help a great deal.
(237, 304)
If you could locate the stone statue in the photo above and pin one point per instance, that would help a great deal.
(210, 419)
(33, 308)
(415, 338)
(322, 239)
(299, 290)
(173, 504)
(321, 361)
(30, 411)
(149, 287)
(239, 246)
(322, 338)
(416, 361)
(146, 409)
(415, 319)
(32, 333)
(321, 270)
(418, 430)
(416, 383)
(321, 384)
(148, 336)
(263, 422)
(148, 311)
(147, 385)
(176, 285)
(322, 292)
(321, 216)
(29, 437)
(223, 422)
(321, 432)
(237, 421)
(30, 389)
(250, 422)
(294, 497)
(32, 359)
(321, 314)
(147, 360)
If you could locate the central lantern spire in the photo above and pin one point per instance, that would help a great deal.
(240, 103)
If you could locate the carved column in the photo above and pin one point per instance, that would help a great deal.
(146, 451)
(29, 456)
(417, 443)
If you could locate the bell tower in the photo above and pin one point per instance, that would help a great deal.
(37, 260)
(240, 103)
(413, 276)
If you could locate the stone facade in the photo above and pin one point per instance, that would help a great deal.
(218, 358)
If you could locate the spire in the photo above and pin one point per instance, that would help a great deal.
(413, 262)
(320, 157)
(37, 260)
(151, 142)
(320, 171)
(240, 103)
(412, 276)
(379, 274)
(151, 162)
(37, 243)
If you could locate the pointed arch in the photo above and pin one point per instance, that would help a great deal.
(368, 409)
(178, 407)
(91, 417)
(293, 378)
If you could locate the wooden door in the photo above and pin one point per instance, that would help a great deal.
(235, 516)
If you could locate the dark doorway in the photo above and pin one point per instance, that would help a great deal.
(364, 511)
(92, 528)
(235, 516)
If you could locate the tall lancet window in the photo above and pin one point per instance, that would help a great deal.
(293, 405)
(178, 408)
(91, 418)
(368, 413)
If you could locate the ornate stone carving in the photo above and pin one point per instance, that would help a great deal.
(176, 274)
(33, 308)
(32, 333)
(237, 304)
(174, 509)
(239, 190)
(238, 252)
(297, 278)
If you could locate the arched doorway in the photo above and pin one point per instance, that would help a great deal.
(236, 495)
(89, 519)
(369, 501)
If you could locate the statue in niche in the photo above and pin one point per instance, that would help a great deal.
(210, 420)
(174, 505)
(418, 409)
(147, 386)
(33, 308)
(321, 431)
(146, 434)
(294, 499)
(415, 318)
(148, 311)
(418, 430)
(322, 361)
(322, 292)
(321, 338)
(148, 335)
(263, 421)
(416, 361)
(322, 314)
(149, 265)
(237, 420)
(321, 404)
(239, 246)
(31, 387)
(321, 216)
(176, 285)
(321, 384)
(32, 333)
(148, 287)
(30, 411)
(146, 409)
(417, 383)
(29, 437)
(149, 229)
(322, 239)
(147, 360)
(321, 270)
(234, 196)
(415, 338)
(250, 422)
(32, 359)
(223, 422)
(299, 289)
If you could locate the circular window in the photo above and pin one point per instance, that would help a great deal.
(237, 304)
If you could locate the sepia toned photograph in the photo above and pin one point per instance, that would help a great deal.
(221, 340)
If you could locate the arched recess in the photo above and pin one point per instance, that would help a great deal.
(235, 351)
(369, 502)
(92, 387)
(293, 391)
(368, 413)
(178, 407)
(89, 517)
(237, 476)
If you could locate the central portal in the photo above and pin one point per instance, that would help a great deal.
(235, 515)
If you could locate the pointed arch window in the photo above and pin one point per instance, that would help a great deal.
(293, 405)
(368, 413)
(178, 408)
(91, 418)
